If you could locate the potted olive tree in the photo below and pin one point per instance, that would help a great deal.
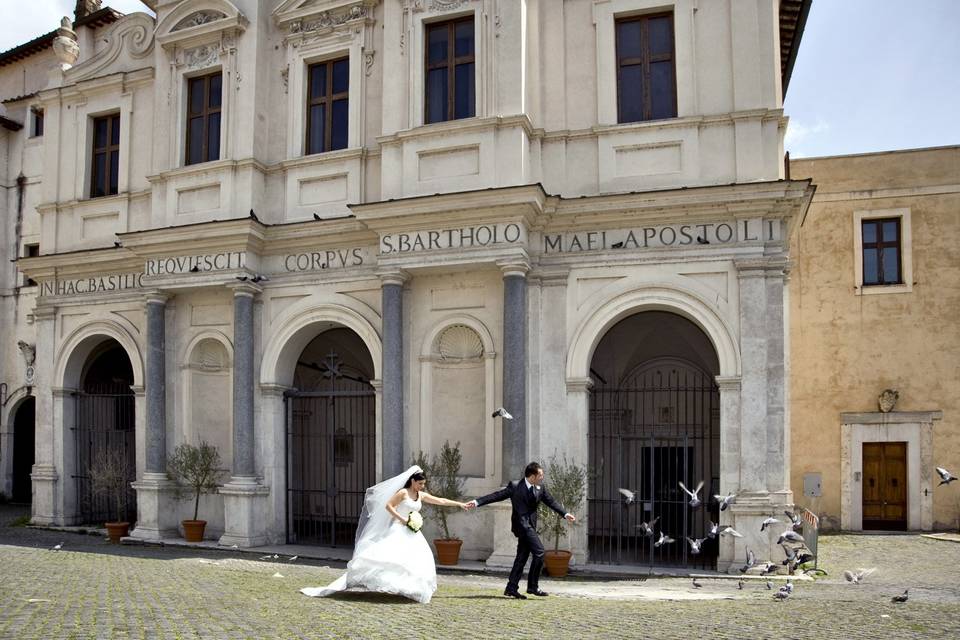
(444, 479)
(111, 473)
(196, 470)
(567, 484)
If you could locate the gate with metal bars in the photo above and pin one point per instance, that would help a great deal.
(104, 424)
(657, 427)
(331, 458)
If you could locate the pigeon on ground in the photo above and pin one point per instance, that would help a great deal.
(769, 586)
(628, 496)
(768, 569)
(740, 584)
(901, 598)
(696, 585)
(730, 531)
(695, 545)
(945, 476)
(277, 575)
(293, 558)
(694, 499)
(856, 577)
(781, 595)
(787, 587)
(664, 539)
(646, 528)
(791, 536)
(57, 547)
(725, 501)
(769, 521)
(502, 413)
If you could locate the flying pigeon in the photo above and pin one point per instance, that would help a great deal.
(945, 476)
(695, 545)
(713, 530)
(901, 598)
(856, 577)
(502, 413)
(790, 536)
(628, 496)
(769, 521)
(730, 531)
(696, 585)
(694, 500)
(796, 520)
(725, 501)
(646, 528)
(664, 539)
(751, 560)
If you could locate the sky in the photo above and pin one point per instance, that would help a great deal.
(871, 75)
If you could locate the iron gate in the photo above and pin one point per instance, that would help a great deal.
(657, 427)
(104, 424)
(331, 458)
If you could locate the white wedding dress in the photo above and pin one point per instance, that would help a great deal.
(398, 562)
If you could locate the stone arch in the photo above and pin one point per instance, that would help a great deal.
(73, 353)
(296, 327)
(209, 14)
(651, 297)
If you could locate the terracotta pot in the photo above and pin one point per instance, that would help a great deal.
(557, 563)
(448, 551)
(193, 530)
(117, 530)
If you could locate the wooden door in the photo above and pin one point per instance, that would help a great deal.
(885, 485)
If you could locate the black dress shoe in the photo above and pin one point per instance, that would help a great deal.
(514, 594)
(537, 592)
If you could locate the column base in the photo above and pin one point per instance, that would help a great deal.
(746, 515)
(44, 480)
(246, 511)
(156, 508)
(504, 542)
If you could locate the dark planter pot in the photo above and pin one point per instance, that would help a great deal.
(117, 530)
(193, 530)
(557, 563)
(448, 551)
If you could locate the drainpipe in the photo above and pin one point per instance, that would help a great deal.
(18, 228)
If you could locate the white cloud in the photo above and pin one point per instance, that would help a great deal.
(43, 16)
(798, 132)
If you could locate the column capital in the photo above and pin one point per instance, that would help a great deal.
(514, 266)
(245, 289)
(155, 296)
(728, 383)
(552, 277)
(44, 312)
(393, 276)
(579, 385)
(763, 267)
(274, 390)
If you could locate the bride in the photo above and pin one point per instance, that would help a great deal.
(389, 557)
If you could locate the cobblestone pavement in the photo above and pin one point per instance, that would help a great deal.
(91, 589)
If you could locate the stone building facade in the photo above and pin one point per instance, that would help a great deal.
(325, 235)
(860, 325)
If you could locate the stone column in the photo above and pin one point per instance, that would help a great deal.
(156, 504)
(393, 423)
(245, 499)
(43, 475)
(730, 462)
(514, 368)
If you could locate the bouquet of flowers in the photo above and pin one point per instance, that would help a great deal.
(414, 521)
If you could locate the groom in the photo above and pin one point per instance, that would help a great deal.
(525, 496)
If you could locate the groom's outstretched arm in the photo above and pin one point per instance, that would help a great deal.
(551, 502)
(496, 496)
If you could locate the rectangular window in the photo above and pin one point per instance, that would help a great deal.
(203, 118)
(105, 165)
(646, 73)
(328, 99)
(881, 251)
(36, 126)
(449, 71)
(30, 251)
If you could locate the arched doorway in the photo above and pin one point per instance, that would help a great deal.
(331, 439)
(654, 422)
(23, 451)
(104, 424)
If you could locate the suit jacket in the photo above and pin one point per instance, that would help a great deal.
(524, 503)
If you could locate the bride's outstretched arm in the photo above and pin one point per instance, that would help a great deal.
(392, 504)
(443, 502)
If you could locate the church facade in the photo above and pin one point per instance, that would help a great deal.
(327, 235)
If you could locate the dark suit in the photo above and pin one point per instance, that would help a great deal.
(523, 524)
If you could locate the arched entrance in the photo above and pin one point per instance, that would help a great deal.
(331, 439)
(104, 424)
(654, 421)
(23, 451)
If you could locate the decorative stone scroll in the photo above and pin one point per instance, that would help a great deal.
(198, 18)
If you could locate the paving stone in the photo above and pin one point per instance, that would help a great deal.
(92, 589)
